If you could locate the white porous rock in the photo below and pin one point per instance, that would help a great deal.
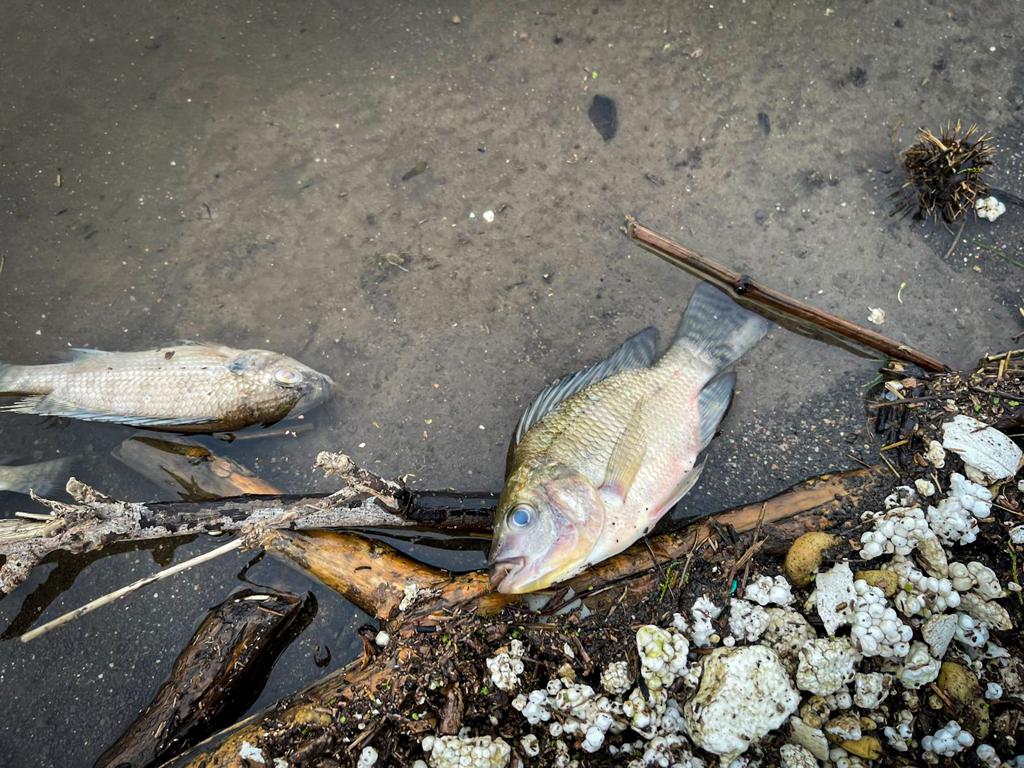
(382, 639)
(844, 727)
(826, 665)
(970, 632)
(367, 758)
(1017, 533)
(409, 596)
(662, 655)
(466, 751)
(919, 594)
(870, 689)
(985, 580)
(833, 596)
(952, 523)
(932, 555)
(990, 207)
(903, 496)
(949, 740)
(899, 736)
(841, 699)
(810, 738)
(987, 755)
(505, 668)
(894, 532)
(704, 613)
(786, 634)
(961, 577)
(877, 630)
(768, 590)
(988, 612)
(530, 744)
(980, 446)
(747, 621)
(938, 631)
(645, 711)
(974, 497)
(615, 678)
(251, 754)
(935, 455)
(795, 756)
(924, 487)
(919, 668)
(744, 694)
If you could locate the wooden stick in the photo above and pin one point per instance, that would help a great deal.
(778, 307)
(128, 589)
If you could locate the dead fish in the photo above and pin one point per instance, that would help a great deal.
(602, 454)
(196, 388)
(44, 478)
(190, 470)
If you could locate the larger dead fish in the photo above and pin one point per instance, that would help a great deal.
(44, 477)
(191, 471)
(196, 388)
(602, 454)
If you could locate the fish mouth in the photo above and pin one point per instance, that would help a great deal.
(503, 570)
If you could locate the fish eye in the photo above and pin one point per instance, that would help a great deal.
(287, 377)
(520, 517)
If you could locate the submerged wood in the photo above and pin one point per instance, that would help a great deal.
(215, 679)
(444, 595)
(788, 312)
(366, 501)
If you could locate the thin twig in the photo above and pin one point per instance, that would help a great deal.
(133, 587)
(956, 240)
(795, 315)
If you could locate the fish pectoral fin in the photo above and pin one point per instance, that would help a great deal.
(48, 405)
(626, 459)
(635, 352)
(712, 403)
(685, 485)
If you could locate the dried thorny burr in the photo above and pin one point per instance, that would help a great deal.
(945, 174)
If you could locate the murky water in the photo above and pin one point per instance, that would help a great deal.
(312, 179)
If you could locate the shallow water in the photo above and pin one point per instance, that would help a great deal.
(312, 179)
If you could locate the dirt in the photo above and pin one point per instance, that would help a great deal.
(235, 173)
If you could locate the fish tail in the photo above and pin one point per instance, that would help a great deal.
(15, 380)
(718, 329)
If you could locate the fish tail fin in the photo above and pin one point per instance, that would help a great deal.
(718, 329)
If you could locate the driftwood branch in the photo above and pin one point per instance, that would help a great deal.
(216, 678)
(95, 520)
(788, 312)
(374, 576)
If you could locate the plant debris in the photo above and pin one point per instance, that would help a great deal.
(945, 174)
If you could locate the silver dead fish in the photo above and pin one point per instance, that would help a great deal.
(195, 388)
(44, 477)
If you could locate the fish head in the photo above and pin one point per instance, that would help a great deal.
(548, 520)
(306, 387)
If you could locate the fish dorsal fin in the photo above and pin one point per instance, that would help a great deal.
(627, 457)
(635, 352)
(712, 403)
